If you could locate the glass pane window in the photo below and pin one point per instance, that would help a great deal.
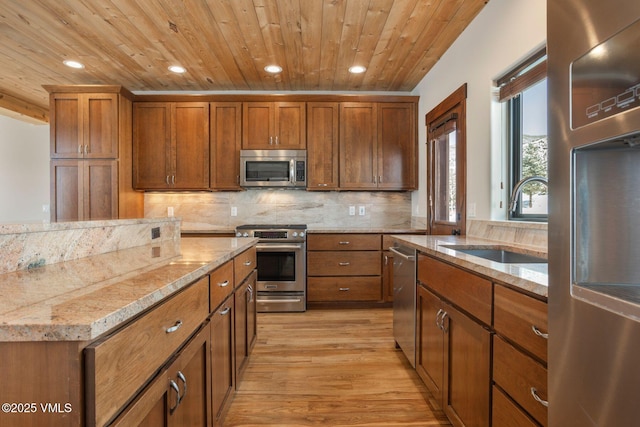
(529, 149)
(446, 167)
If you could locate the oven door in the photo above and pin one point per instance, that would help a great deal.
(281, 267)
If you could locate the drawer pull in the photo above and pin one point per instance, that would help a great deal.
(537, 398)
(175, 327)
(444, 327)
(225, 311)
(224, 284)
(182, 378)
(174, 386)
(344, 243)
(539, 333)
(247, 263)
(344, 264)
(343, 289)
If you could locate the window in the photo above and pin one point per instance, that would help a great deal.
(524, 92)
(446, 159)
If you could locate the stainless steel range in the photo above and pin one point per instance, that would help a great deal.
(282, 265)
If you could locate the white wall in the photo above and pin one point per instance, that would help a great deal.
(24, 171)
(504, 33)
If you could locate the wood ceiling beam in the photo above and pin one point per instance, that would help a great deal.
(23, 108)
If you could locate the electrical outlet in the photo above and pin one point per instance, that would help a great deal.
(352, 210)
(155, 233)
(45, 208)
(170, 211)
(234, 211)
(472, 210)
(361, 210)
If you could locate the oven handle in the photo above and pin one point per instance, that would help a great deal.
(283, 300)
(277, 247)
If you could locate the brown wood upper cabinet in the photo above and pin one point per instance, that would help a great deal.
(322, 145)
(91, 163)
(226, 138)
(378, 146)
(274, 126)
(171, 145)
(84, 125)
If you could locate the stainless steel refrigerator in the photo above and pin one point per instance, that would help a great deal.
(594, 219)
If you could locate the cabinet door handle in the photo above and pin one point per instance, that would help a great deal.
(344, 289)
(175, 327)
(174, 387)
(539, 333)
(173, 179)
(224, 284)
(167, 180)
(270, 140)
(440, 313)
(86, 149)
(537, 398)
(344, 243)
(225, 311)
(250, 293)
(182, 378)
(277, 140)
(79, 148)
(344, 264)
(444, 328)
(322, 185)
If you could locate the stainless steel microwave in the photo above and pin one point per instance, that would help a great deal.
(273, 168)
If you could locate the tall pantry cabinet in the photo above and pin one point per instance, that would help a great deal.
(91, 154)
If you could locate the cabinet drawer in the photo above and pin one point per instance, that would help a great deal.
(120, 364)
(517, 374)
(221, 284)
(344, 289)
(344, 242)
(244, 264)
(344, 263)
(507, 413)
(516, 316)
(466, 290)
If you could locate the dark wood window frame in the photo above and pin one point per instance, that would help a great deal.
(450, 114)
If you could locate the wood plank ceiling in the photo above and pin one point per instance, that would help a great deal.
(223, 44)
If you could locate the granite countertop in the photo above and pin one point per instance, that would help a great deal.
(320, 230)
(82, 299)
(532, 278)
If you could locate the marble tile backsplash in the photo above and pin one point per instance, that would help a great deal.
(24, 246)
(212, 211)
(530, 234)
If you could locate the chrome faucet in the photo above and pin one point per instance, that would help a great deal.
(513, 201)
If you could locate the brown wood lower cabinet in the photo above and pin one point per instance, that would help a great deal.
(454, 360)
(179, 396)
(453, 348)
(344, 268)
(84, 190)
(222, 358)
(246, 326)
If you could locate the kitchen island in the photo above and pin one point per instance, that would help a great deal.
(94, 340)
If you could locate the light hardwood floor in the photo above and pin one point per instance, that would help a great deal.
(330, 368)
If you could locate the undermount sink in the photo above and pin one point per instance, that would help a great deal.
(499, 255)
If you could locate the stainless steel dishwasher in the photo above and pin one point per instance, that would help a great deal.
(404, 300)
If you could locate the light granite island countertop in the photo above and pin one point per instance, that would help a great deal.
(79, 300)
(531, 278)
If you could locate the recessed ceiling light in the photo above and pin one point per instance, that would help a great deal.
(273, 69)
(177, 69)
(73, 64)
(357, 69)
